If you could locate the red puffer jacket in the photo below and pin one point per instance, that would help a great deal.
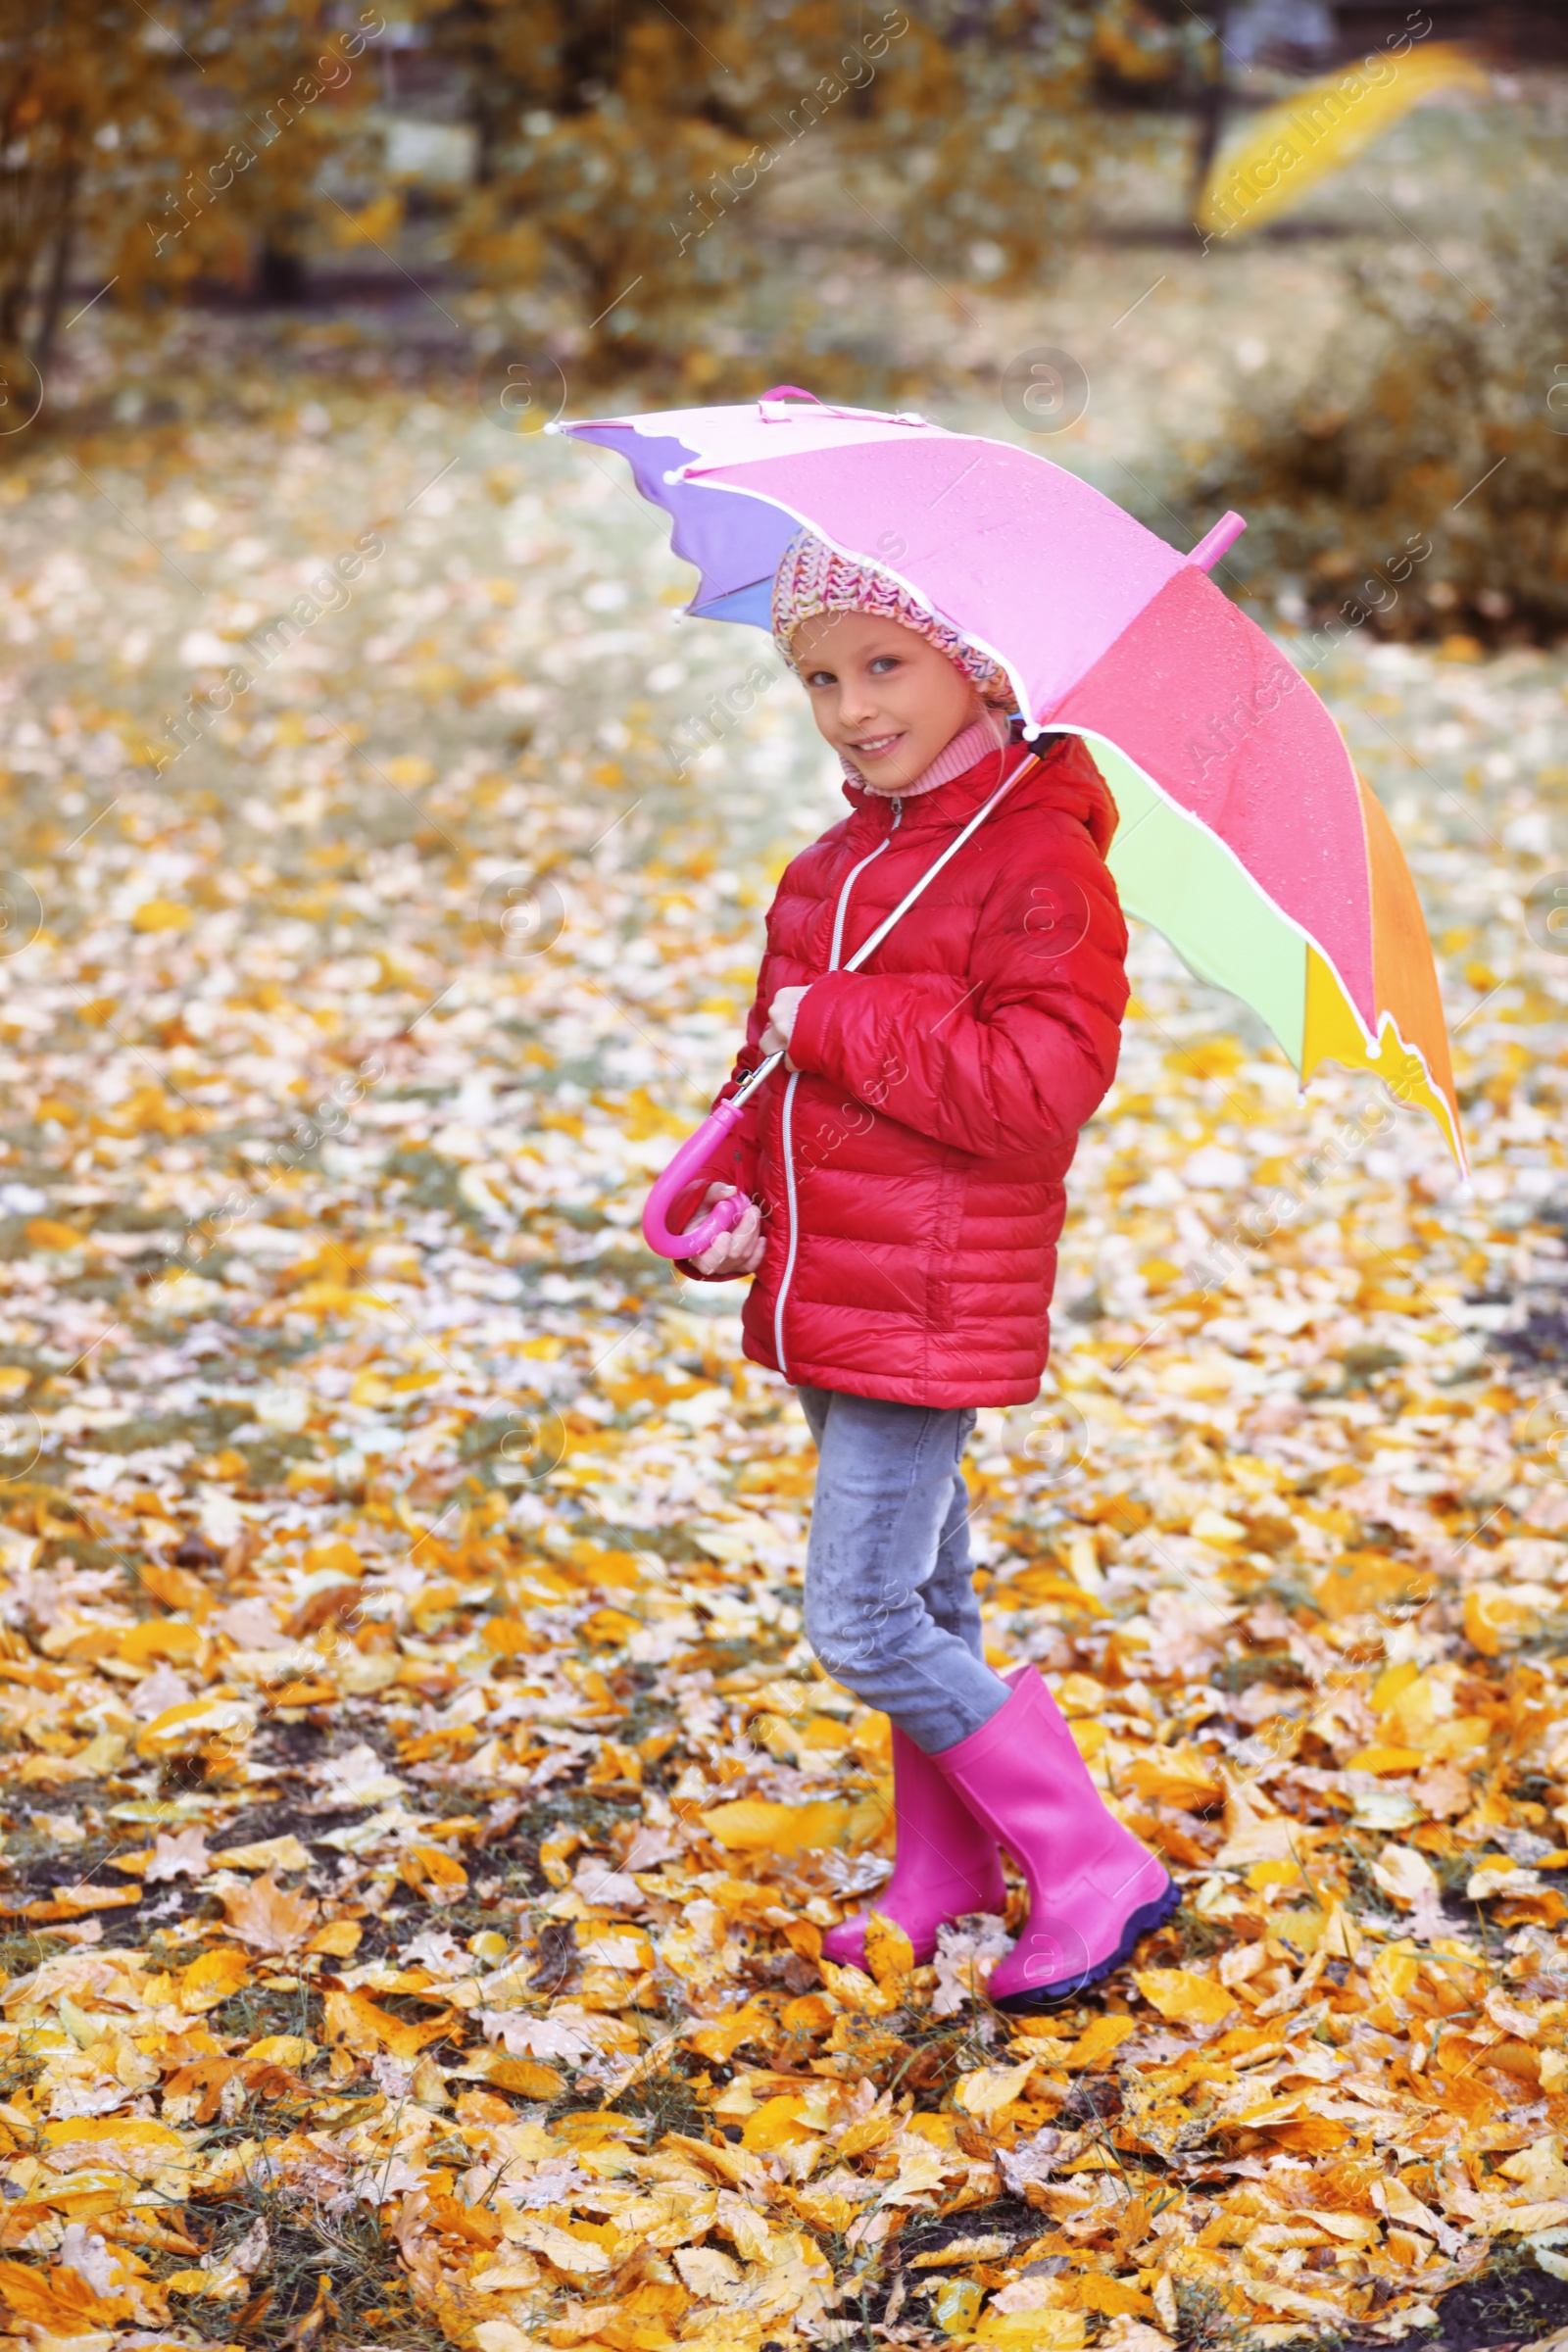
(910, 1175)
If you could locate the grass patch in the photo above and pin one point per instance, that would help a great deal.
(311, 2258)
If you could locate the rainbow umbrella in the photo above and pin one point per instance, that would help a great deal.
(1245, 834)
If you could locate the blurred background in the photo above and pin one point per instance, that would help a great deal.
(230, 211)
(387, 865)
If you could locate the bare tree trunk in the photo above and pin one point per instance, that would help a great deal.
(1211, 102)
(54, 294)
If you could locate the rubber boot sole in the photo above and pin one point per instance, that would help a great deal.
(1141, 1921)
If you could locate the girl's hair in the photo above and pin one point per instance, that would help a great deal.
(813, 578)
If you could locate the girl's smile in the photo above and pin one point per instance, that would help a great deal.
(884, 697)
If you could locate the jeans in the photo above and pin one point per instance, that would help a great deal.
(890, 1606)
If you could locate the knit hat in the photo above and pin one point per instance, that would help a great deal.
(811, 578)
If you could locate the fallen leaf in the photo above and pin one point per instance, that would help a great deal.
(267, 1916)
(1183, 1997)
(182, 1855)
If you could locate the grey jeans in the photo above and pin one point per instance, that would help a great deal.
(890, 1606)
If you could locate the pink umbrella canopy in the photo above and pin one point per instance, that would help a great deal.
(1245, 836)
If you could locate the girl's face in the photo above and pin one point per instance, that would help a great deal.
(884, 698)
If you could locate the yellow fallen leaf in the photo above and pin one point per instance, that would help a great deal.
(526, 2076)
(1273, 1874)
(1098, 2039)
(211, 1978)
(987, 2247)
(1252, 1837)
(58, 2305)
(335, 1554)
(354, 2019)
(126, 2144)
(1540, 2168)
(993, 2087)
(160, 914)
(723, 2037)
(777, 2123)
(282, 2049)
(48, 1233)
(1175, 1777)
(1183, 1997)
(1497, 1617)
(160, 1637)
(889, 1953)
(438, 1876)
(1112, 2298)
(339, 1939)
(198, 1727)
(1217, 1527)
(272, 1853)
(1031, 2331)
(754, 1825)
(506, 2273)
(578, 2257)
(269, 1917)
(1407, 1876)
(1386, 1759)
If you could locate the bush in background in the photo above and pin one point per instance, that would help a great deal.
(1452, 427)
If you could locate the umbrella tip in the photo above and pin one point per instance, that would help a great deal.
(1225, 533)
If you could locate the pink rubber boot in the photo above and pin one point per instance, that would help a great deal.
(1093, 1889)
(945, 1864)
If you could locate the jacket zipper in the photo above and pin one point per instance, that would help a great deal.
(786, 1116)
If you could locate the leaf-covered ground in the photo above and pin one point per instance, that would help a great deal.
(421, 1812)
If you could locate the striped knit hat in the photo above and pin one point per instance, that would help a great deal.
(811, 578)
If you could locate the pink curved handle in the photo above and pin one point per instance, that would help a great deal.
(690, 1163)
(694, 1160)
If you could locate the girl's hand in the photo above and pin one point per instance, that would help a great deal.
(781, 1022)
(738, 1251)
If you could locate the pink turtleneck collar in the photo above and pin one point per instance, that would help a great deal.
(985, 734)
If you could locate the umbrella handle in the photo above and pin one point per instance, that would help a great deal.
(691, 1162)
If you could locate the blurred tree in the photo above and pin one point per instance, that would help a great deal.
(614, 155)
(608, 140)
(986, 149)
(614, 141)
(157, 149)
(86, 103)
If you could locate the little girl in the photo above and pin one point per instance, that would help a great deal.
(904, 1171)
